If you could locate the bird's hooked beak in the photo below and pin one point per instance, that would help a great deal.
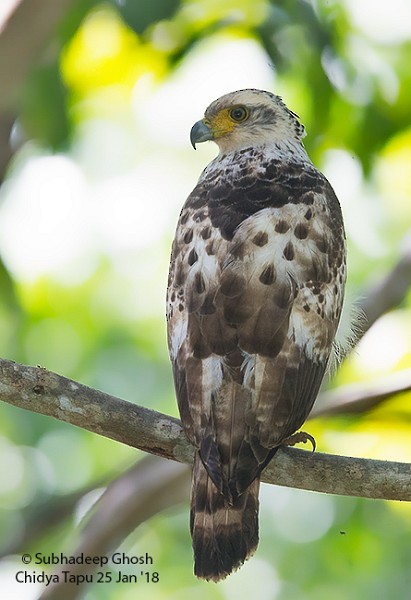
(200, 132)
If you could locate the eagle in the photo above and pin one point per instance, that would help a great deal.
(255, 293)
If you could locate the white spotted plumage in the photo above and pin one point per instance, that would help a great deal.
(255, 294)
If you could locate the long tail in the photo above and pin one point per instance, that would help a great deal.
(224, 535)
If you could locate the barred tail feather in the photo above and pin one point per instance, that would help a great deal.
(224, 535)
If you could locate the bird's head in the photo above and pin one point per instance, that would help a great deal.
(247, 118)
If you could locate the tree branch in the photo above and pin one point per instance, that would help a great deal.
(25, 31)
(149, 487)
(361, 397)
(47, 393)
(25, 34)
(40, 519)
(50, 394)
(382, 296)
(390, 290)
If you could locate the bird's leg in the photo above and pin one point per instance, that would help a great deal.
(299, 437)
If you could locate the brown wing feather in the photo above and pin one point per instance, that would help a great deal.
(255, 294)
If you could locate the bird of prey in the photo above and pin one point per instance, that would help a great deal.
(255, 294)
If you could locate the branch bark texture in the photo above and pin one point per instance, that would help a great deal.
(50, 394)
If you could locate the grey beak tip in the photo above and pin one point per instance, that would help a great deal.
(200, 132)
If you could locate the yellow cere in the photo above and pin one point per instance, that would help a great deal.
(222, 123)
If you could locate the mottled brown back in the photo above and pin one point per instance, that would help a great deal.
(255, 294)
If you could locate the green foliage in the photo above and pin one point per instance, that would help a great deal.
(140, 15)
(44, 108)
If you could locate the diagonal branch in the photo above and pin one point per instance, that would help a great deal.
(41, 519)
(390, 290)
(50, 394)
(25, 33)
(361, 397)
(381, 296)
(146, 489)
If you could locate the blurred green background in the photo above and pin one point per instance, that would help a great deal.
(101, 164)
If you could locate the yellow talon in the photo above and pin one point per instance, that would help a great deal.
(301, 437)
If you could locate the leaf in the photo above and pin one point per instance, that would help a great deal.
(139, 15)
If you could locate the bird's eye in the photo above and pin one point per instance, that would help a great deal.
(239, 113)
